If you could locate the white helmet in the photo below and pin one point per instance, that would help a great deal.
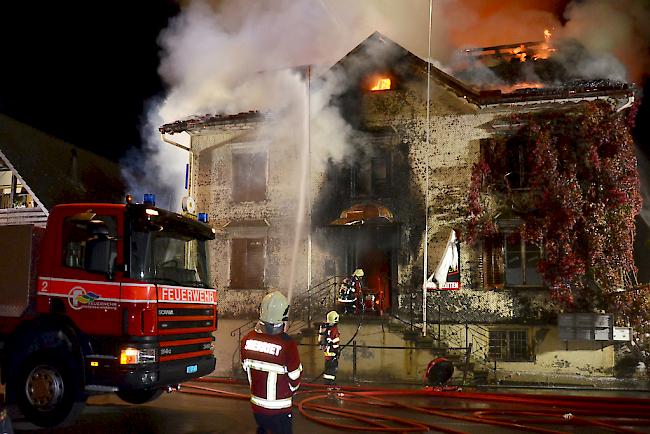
(274, 308)
(358, 272)
(332, 317)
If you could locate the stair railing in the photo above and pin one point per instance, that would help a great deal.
(321, 297)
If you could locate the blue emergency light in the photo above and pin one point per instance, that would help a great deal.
(203, 217)
(149, 199)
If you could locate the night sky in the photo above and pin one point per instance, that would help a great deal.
(83, 72)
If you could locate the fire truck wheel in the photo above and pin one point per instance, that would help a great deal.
(48, 388)
(139, 396)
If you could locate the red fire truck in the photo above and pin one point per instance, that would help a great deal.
(107, 298)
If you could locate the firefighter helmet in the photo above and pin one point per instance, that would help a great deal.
(274, 308)
(332, 317)
(358, 272)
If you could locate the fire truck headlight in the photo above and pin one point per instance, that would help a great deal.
(132, 356)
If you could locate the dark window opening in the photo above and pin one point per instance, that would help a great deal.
(509, 345)
(517, 155)
(247, 263)
(371, 177)
(249, 176)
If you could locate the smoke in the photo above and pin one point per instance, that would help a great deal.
(229, 56)
(612, 30)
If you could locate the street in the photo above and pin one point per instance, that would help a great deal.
(190, 411)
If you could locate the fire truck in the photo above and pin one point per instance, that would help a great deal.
(106, 298)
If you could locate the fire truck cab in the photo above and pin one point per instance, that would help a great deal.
(108, 298)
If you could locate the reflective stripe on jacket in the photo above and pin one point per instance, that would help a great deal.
(272, 364)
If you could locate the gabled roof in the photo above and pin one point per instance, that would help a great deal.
(394, 54)
(364, 58)
(56, 171)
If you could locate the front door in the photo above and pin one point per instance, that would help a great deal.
(371, 248)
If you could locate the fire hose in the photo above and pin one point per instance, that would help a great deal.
(371, 404)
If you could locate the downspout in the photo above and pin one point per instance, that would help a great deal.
(425, 252)
(190, 162)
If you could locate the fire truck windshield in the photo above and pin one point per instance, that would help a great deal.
(168, 249)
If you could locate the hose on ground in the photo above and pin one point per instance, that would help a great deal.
(369, 409)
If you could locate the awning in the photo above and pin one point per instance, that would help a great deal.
(364, 214)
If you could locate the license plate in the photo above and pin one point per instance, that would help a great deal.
(191, 369)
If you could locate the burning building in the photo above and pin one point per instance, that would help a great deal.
(405, 176)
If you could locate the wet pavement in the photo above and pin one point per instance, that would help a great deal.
(448, 411)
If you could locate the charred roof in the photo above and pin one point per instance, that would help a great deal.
(207, 121)
(510, 79)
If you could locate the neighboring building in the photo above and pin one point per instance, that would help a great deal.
(369, 210)
(38, 171)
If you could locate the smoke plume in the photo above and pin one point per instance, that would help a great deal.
(229, 56)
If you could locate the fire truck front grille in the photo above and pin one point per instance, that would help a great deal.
(185, 330)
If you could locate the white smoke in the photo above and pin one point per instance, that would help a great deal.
(230, 56)
(614, 31)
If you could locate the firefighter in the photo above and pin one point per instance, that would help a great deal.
(328, 339)
(270, 359)
(350, 291)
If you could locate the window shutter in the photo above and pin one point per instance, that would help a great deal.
(238, 264)
(249, 176)
(255, 263)
(492, 263)
(247, 263)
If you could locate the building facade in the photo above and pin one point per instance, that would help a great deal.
(405, 176)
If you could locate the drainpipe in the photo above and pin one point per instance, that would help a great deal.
(190, 158)
(309, 216)
(426, 188)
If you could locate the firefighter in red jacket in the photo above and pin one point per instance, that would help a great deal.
(328, 339)
(270, 359)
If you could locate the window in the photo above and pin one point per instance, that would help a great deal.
(510, 261)
(521, 260)
(371, 177)
(247, 263)
(509, 345)
(89, 242)
(517, 164)
(249, 176)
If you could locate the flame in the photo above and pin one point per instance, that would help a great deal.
(547, 35)
(520, 53)
(383, 83)
(523, 85)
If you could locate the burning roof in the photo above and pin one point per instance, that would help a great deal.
(529, 72)
(522, 73)
(206, 121)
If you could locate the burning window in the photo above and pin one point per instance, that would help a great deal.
(249, 176)
(378, 82)
(247, 263)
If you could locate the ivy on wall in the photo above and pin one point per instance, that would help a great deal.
(579, 203)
